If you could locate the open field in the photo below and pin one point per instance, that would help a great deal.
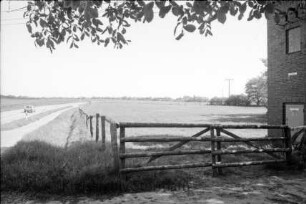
(176, 112)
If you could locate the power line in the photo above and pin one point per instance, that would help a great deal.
(18, 9)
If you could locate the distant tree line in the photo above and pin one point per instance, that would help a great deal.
(256, 94)
(255, 89)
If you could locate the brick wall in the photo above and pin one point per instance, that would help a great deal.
(281, 88)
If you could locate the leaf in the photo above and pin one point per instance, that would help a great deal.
(224, 9)
(148, 12)
(208, 32)
(106, 42)
(175, 11)
(120, 37)
(257, 14)
(71, 45)
(189, 4)
(94, 12)
(52, 44)
(180, 36)
(190, 27)
(176, 27)
(76, 38)
(75, 45)
(233, 10)
(164, 10)
(243, 8)
(240, 16)
(29, 27)
(160, 4)
(123, 31)
(221, 17)
(68, 38)
(43, 23)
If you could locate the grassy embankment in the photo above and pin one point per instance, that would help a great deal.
(26, 121)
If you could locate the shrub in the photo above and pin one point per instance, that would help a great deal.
(217, 101)
(237, 100)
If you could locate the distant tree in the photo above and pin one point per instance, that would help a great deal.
(217, 101)
(237, 100)
(256, 90)
(105, 21)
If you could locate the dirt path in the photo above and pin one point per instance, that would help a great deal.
(11, 137)
(268, 189)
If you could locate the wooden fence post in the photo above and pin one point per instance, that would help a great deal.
(213, 158)
(122, 147)
(97, 126)
(86, 121)
(288, 144)
(113, 131)
(219, 148)
(90, 126)
(103, 131)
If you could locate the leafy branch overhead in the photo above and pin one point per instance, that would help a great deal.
(104, 22)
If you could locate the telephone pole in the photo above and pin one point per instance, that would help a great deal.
(229, 86)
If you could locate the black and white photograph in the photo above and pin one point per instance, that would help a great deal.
(153, 101)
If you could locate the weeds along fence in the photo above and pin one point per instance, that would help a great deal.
(218, 134)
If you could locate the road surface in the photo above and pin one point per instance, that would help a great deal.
(9, 116)
(11, 137)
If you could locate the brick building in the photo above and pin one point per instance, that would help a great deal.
(287, 67)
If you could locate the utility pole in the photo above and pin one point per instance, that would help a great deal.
(229, 86)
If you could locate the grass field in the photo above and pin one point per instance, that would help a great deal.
(175, 112)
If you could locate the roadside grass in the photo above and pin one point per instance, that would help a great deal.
(24, 121)
(64, 129)
(86, 168)
(81, 168)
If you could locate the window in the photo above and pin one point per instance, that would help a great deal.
(293, 40)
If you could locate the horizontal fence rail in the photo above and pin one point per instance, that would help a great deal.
(215, 140)
(197, 125)
(165, 167)
(218, 134)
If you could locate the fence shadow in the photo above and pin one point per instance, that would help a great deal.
(243, 118)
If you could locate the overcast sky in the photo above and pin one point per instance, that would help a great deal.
(153, 64)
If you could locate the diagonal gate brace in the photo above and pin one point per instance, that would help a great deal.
(179, 144)
(248, 143)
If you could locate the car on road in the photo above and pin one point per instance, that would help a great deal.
(29, 109)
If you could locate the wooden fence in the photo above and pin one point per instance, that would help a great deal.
(218, 134)
(215, 141)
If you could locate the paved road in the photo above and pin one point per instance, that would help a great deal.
(11, 137)
(10, 116)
